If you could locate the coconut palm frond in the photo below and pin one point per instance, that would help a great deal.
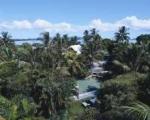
(138, 109)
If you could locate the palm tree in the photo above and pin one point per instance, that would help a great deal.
(26, 52)
(46, 38)
(5, 37)
(92, 46)
(76, 67)
(122, 35)
(65, 40)
(74, 40)
(143, 39)
(7, 47)
(138, 110)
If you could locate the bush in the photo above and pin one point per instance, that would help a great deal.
(118, 91)
(144, 89)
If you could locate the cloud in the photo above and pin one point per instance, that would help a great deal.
(132, 22)
(42, 24)
(45, 25)
(63, 26)
(135, 23)
(25, 24)
(102, 26)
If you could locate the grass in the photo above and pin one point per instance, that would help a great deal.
(75, 110)
(127, 78)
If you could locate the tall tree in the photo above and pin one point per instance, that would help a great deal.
(143, 39)
(7, 47)
(46, 38)
(122, 35)
(92, 45)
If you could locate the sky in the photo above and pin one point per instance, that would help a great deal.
(29, 18)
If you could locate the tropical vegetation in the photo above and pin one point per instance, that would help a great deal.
(37, 80)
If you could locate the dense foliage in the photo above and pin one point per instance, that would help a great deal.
(37, 81)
